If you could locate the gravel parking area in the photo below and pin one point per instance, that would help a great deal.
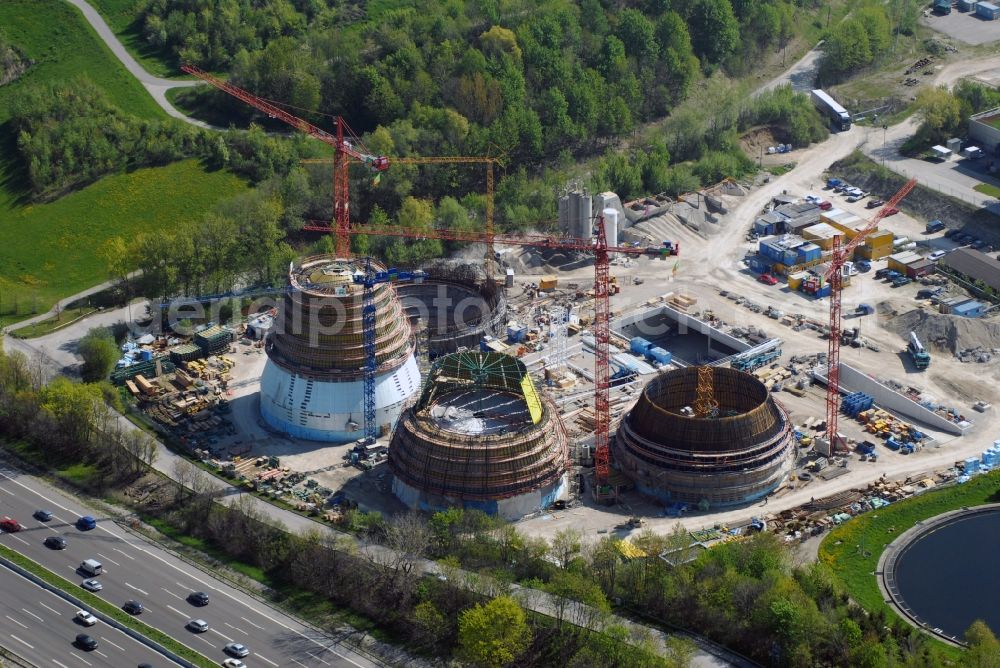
(964, 27)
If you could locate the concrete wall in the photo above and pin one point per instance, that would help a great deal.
(511, 509)
(852, 380)
(684, 322)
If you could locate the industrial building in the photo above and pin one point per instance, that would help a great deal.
(480, 436)
(707, 436)
(312, 386)
(984, 131)
(973, 266)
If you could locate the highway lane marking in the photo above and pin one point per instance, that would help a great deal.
(317, 657)
(20, 539)
(53, 530)
(15, 621)
(50, 609)
(236, 628)
(123, 553)
(112, 643)
(299, 662)
(33, 614)
(82, 659)
(60, 663)
(21, 641)
(252, 624)
(261, 656)
(7, 491)
(176, 610)
(221, 634)
(179, 570)
(107, 558)
(101, 653)
(206, 641)
(131, 586)
(172, 594)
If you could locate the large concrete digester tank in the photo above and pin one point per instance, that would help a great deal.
(313, 383)
(480, 436)
(738, 453)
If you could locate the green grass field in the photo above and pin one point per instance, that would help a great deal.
(122, 17)
(988, 189)
(49, 250)
(842, 551)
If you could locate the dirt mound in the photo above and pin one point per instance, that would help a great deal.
(761, 138)
(12, 63)
(950, 331)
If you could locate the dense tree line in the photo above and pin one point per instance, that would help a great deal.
(944, 113)
(865, 37)
(67, 424)
(69, 134)
(524, 78)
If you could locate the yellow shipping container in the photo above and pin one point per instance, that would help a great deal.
(795, 280)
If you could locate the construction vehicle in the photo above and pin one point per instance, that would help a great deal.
(863, 309)
(921, 358)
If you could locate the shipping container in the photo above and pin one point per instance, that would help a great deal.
(658, 354)
(988, 11)
(639, 345)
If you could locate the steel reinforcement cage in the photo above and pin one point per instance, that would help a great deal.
(320, 331)
(436, 460)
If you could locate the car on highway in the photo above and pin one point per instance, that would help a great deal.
(85, 618)
(198, 598)
(133, 607)
(9, 524)
(42, 515)
(55, 543)
(236, 649)
(233, 663)
(83, 641)
(875, 203)
(86, 523)
(93, 584)
(937, 255)
(767, 279)
(197, 625)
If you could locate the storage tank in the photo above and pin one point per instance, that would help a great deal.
(585, 216)
(611, 226)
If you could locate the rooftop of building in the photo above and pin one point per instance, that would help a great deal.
(975, 265)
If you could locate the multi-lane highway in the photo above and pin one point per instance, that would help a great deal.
(39, 626)
(139, 570)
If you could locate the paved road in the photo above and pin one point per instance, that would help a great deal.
(801, 75)
(137, 569)
(156, 86)
(39, 626)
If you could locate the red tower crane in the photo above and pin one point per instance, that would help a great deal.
(345, 143)
(835, 278)
(599, 248)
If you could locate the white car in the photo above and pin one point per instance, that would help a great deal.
(236, 649)
(937, 255)
(92, 585)
(233, 663)
(85, 618)
(198, 625)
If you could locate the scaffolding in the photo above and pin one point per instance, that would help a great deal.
(479, 431)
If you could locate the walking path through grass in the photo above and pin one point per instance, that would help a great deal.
(156, 86)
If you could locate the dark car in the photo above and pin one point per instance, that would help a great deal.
(86, 523)
(977, 244)
(132, 607)
(83, 641)
(55, 543)
(952, 233)
(882, 273)
(42, 515)
(198, 598)
(874, 204)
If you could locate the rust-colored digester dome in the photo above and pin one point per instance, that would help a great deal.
(735, 454)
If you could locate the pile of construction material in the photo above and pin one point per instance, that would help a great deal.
(681, 302)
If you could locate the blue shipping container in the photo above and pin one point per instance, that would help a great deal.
(660, 355)
(639, 345)
(146, 355)
(809, 252)
(516, 335)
